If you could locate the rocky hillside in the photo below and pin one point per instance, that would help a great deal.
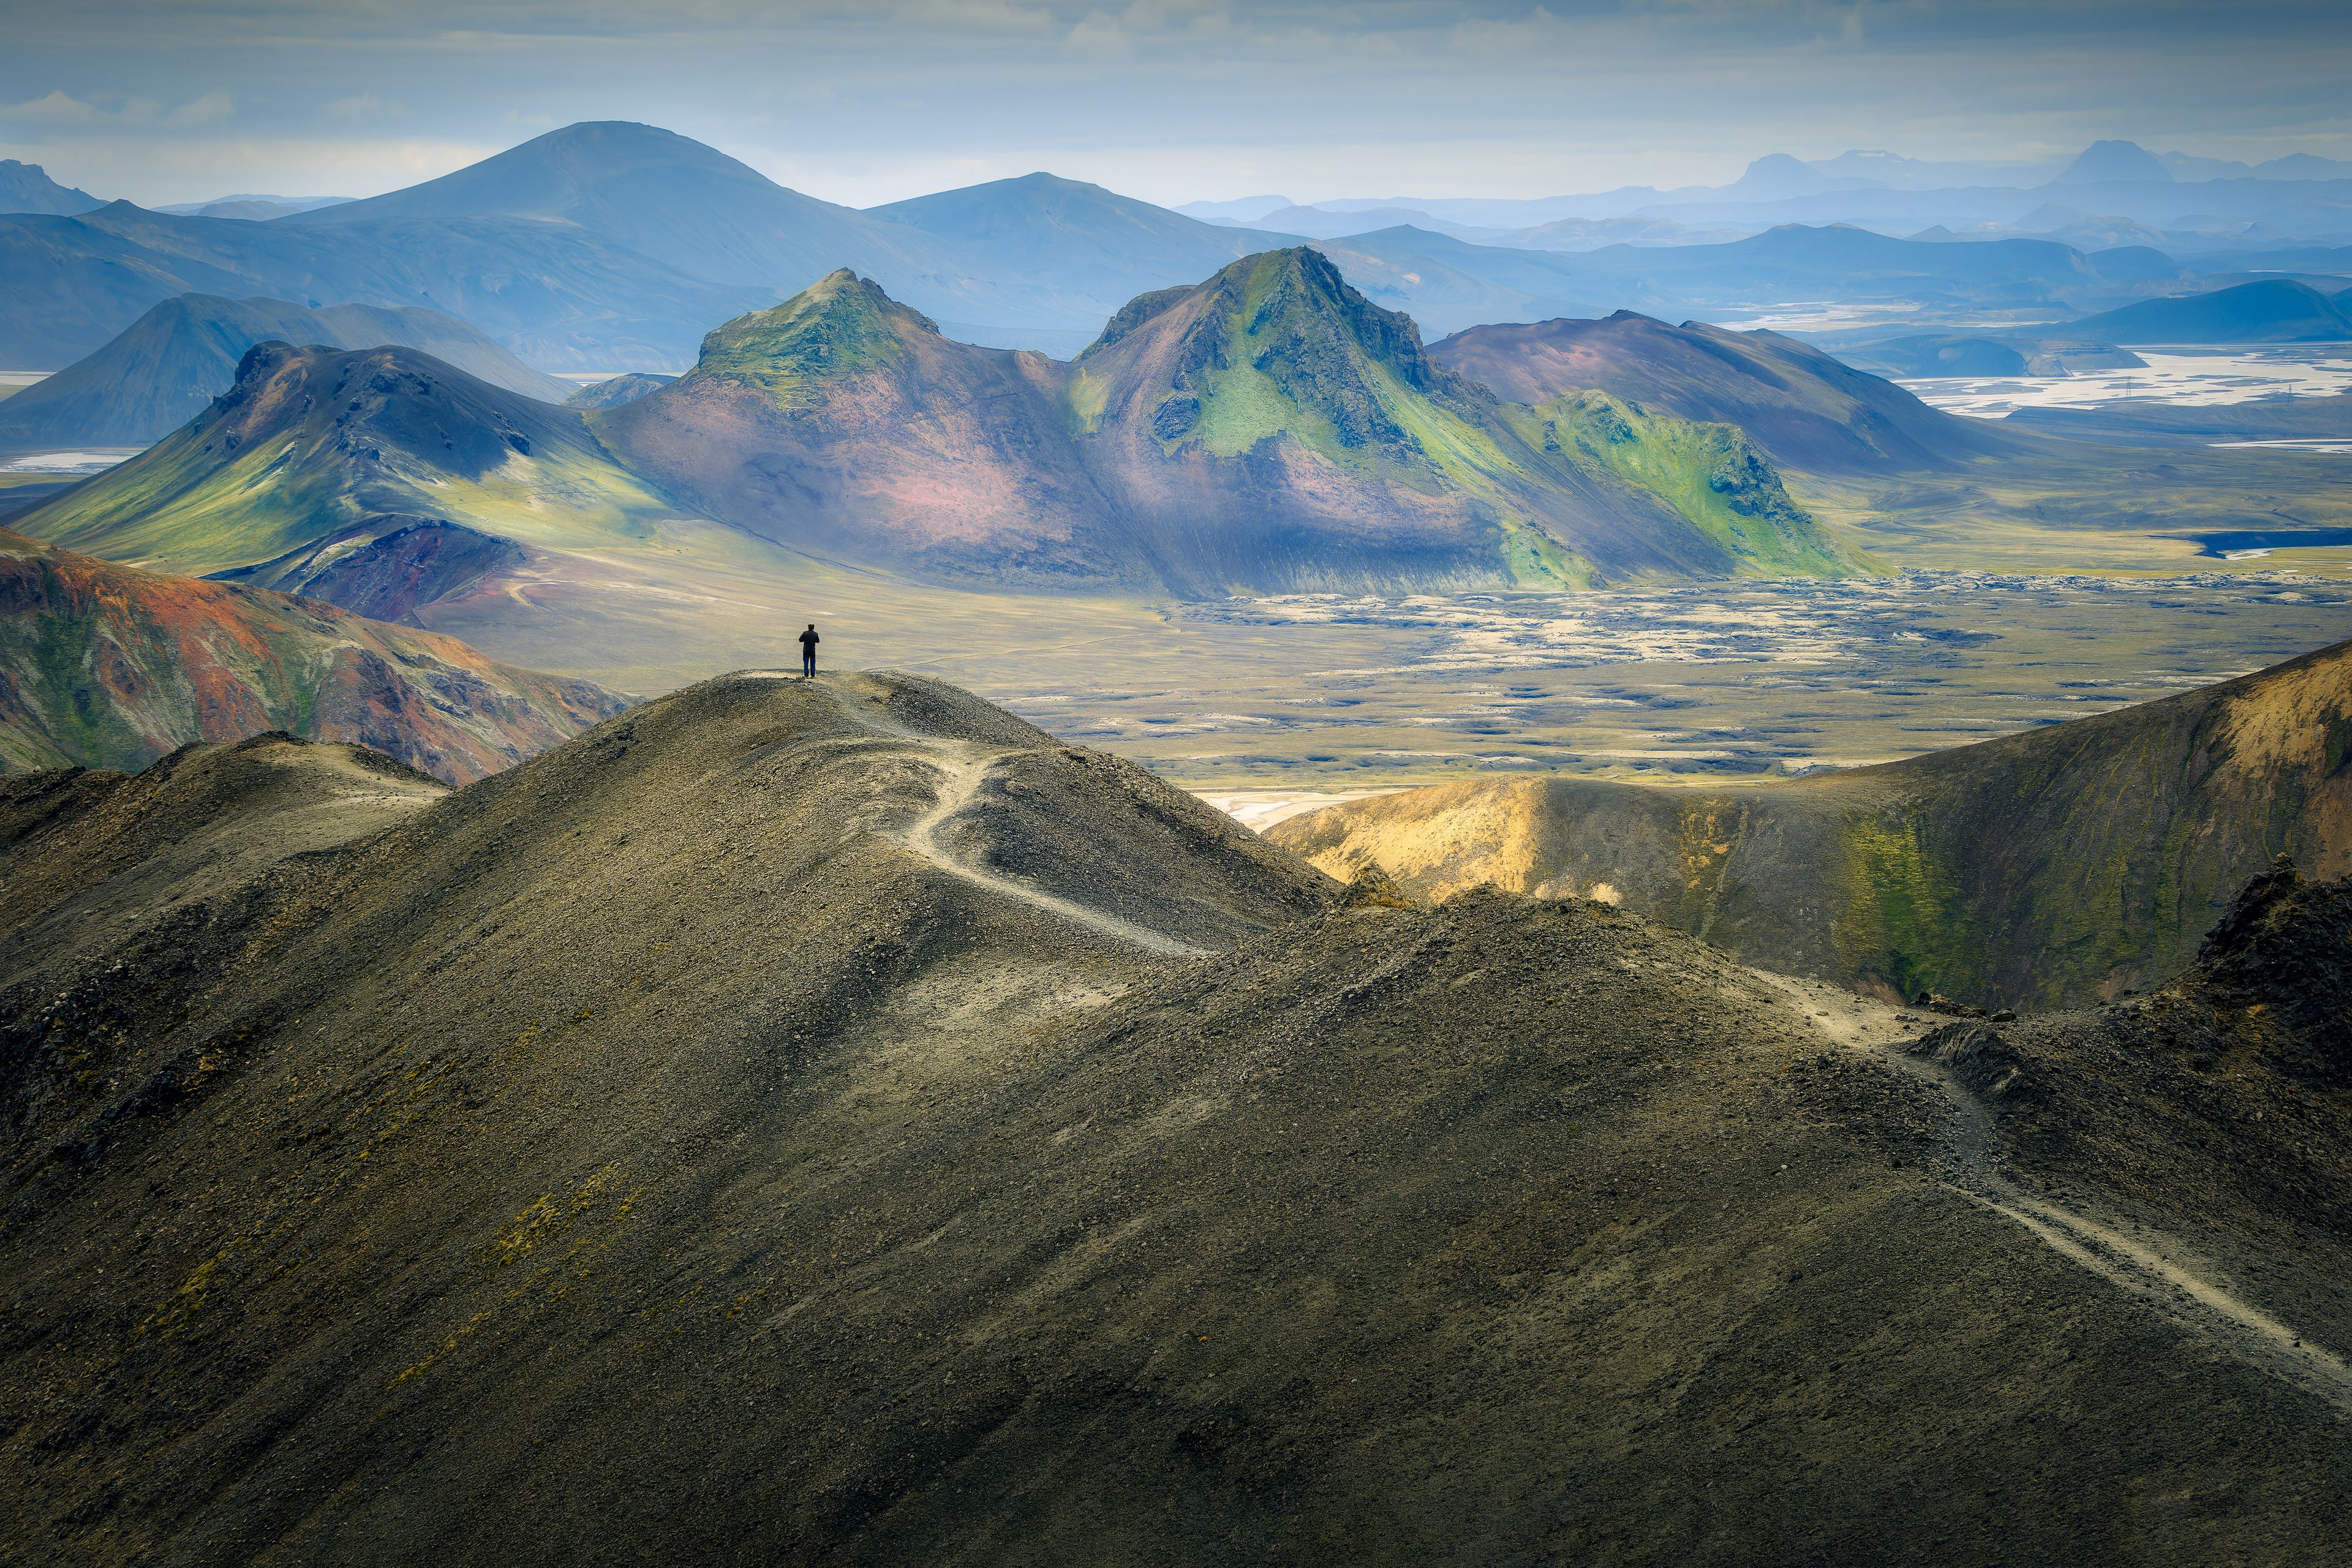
(2044, 869)
(318, 468)
(834, 1123)
(841, 423)
(1267, 430)
(106, 667)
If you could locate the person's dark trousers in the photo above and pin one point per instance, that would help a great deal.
(808, 664)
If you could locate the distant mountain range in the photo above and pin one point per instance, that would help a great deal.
(2202, 202)
(162, 370)
(252, 207)
(616, 247)
(1266, 429)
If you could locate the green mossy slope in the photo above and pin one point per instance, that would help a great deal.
(1709, 473)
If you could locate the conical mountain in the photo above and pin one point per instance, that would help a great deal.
(656, 193)
(379, 479)
(2115, 163)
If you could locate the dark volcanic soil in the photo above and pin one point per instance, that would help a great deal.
(834, 1122)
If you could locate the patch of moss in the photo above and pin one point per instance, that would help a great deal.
(1535, 560)
(1899, 915)
(1710, 474)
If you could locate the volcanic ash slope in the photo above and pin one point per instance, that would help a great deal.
(834, 1123)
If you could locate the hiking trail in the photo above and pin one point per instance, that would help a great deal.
(2149, 1266)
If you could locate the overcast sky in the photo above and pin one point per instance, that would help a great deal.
(165, 100)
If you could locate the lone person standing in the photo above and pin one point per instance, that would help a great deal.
(808, 652)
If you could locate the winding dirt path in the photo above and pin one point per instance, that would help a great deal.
(963, 767)
(964, 770)
(2150, 1267)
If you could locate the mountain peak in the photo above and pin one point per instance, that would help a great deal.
(597, 174)
(842, 325)
(2115, 163)
(1278, 344)
(28, 188)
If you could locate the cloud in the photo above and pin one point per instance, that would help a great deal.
(366, 106)
(56, 109)
(115, 108)
(976, 15)
(1101, 37)
(210, 110)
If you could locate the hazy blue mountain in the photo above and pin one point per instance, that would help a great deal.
(1897, 172)
(1777, 175)
(2303, 166)
(166, 367)
(2274, 310)
(555, 296)
(704, 215)
(1316, 223)
(1448, 284)
(251, 206)
(1595, 233)
(2109, 180)
(2115, 164)
(619, 390)
(659, 195)
(28, 188)
(1061, 245)
(1243, 209)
